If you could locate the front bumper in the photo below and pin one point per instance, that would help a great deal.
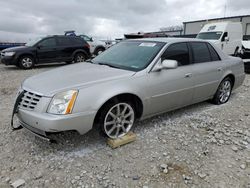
(43, 124)
(9, 60)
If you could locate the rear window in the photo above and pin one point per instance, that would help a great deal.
(69, 41)
(213, 53)
(64, 41)
(200, 52)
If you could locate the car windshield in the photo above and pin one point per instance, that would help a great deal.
(209, 35)
(130, 55)
(33, 41)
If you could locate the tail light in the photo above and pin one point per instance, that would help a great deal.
(87, 45)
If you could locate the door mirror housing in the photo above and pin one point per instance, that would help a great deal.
(39, 46)
(166, 64)
(169, 64)
(91, 39)
(226, 39)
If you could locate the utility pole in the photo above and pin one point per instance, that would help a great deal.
(225, 8)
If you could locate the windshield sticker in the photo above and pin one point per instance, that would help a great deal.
(148, 44)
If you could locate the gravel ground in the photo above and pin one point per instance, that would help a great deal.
(202, 145)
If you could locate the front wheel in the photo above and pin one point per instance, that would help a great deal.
(223, 92)
(117, 119)
(26, 62)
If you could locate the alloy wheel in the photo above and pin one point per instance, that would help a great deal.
(27, 62)
(225, 91)
(119, 120)
(80, 58)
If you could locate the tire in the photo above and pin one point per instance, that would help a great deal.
(223, 92)
(117, 119)
(98, 51)
(79, 57)
(26, 62)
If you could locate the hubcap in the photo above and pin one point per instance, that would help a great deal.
(27, 62)
(225, 91)
(80, 58)
(119, 120)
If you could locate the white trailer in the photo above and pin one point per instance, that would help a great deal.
(226, 35)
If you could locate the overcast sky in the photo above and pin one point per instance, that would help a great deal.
(23, 19)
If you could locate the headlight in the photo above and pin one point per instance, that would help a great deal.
(63, 103)
(9, 53)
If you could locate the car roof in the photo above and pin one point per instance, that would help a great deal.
(168, 39)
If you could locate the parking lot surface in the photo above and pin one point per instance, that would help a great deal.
(202, 145)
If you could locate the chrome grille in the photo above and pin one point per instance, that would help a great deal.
(29, 100)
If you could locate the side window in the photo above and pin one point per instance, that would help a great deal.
(178, 52)
(50, 42)
(224, 36)
(64, 41)
(78, 41)
(213, 53)
(200, 52)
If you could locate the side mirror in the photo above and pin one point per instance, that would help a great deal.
(39, 46)
(166, 64)
(226, 39)
(169, 64)
(91, 39)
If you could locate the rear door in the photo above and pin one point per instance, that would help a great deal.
(66, 47)
(172, 88)
(47, 50)
(207, 70)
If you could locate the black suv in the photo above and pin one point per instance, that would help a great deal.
(47, 50)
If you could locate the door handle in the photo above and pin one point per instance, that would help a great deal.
(219, 69)
(188, 75)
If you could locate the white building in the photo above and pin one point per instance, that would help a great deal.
(192, 28)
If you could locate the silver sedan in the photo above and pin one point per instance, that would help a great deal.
(134, 79)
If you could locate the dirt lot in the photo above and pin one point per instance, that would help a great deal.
(199, 146)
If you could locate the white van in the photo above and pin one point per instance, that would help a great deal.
(226, 35)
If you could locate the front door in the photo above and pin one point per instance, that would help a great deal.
(171, 88)
(47, 50)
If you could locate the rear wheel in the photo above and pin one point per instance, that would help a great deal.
(223, 92)
(117, 119)
(26, 62)
(79, 57)
(98, 51)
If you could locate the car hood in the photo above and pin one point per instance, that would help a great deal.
(16, 49)
(72, 77)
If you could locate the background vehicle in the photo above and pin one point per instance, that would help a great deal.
(226, 35)
(47, 50)
(245, 55)
(96, 46)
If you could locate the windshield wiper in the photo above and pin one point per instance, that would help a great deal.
(113, 66)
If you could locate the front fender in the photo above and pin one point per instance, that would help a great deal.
(92, 98)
